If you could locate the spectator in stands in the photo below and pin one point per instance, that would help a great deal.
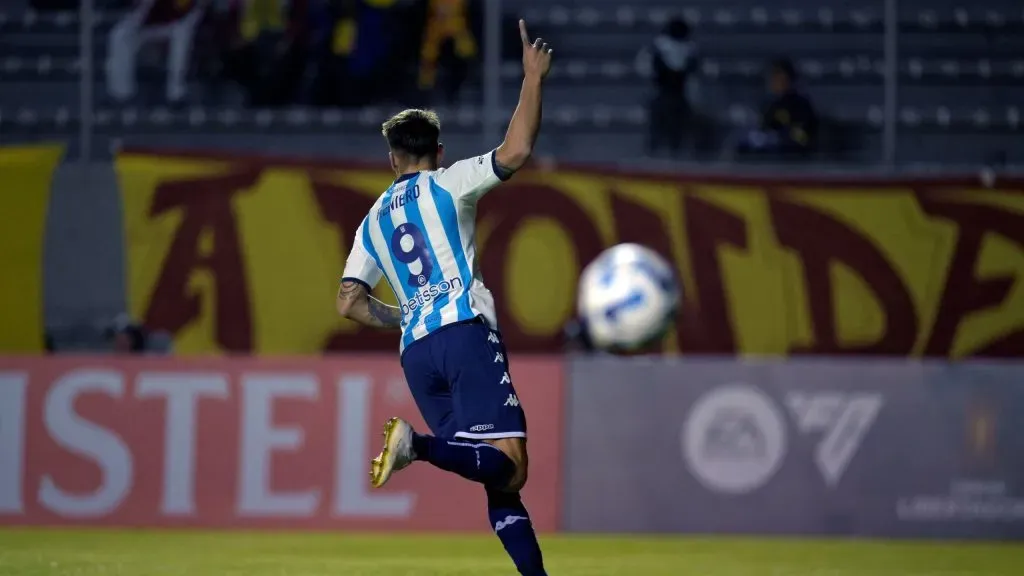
(321, 84)
(268, 52)
(576, 338)
(172, 20)
(129, 337)
(447, 41)
(789, 123)
(669, 61)
(367, 69)
(336, 40)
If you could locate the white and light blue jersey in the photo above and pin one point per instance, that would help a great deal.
(420, 236)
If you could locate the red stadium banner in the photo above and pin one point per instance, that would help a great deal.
(240, 443)
(243, 254)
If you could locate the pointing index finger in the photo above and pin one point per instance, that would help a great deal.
(522, 32)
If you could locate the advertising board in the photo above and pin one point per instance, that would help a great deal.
(239, 443)
(867, 448)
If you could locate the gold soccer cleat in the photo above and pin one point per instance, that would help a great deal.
(397, 452)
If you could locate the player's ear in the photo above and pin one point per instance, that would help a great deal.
(393, 161)
(440, 153)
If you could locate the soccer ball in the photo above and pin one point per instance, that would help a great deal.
(627, 298)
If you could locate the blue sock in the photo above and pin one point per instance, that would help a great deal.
(479, 462)
(511, 522)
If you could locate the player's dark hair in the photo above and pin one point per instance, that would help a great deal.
(413, 132)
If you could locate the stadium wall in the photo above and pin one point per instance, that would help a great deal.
(826, 446)
(241, 254)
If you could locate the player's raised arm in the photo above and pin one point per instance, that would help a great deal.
(513, 153)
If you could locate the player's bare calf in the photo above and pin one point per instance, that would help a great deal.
(515, 449)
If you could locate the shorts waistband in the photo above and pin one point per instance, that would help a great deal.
(479, 319)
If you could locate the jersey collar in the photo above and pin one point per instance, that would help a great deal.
(405, 177)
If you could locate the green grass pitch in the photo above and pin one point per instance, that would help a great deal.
(39, 552)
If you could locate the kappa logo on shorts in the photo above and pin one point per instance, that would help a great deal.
(505, 379)
(499, 357)
(512, 401)
(481, 428)
(493, 338)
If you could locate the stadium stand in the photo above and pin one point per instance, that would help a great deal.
(960, 69)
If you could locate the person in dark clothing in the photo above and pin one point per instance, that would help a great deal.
(576, 338)
(173, 21)
(128, 337)
(267, 49)
(448, 44)
(789, 123)
(669, 62)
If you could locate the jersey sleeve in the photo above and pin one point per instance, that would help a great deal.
(361, 265)
(473, 177)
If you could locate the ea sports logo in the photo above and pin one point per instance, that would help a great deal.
(734, 439)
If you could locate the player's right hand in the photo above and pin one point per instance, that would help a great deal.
(536, 54)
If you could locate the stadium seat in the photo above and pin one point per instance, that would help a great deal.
(570, 117)
(845, 69)
(766, 17)
(961, 71)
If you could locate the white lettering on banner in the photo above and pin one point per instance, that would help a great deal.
(260, 438)
(352, 498)
(971, 500)
(182, 392)
(89, 440)
(12, 440)
(844, 419)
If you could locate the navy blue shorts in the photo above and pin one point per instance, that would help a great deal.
(459, 378)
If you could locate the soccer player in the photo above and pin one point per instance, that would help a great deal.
(420, 236)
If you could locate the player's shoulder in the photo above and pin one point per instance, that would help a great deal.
(478, 162)
(463, 170)
(441, 177)
(371, 214)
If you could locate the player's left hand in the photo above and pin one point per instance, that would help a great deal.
(536, 54)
